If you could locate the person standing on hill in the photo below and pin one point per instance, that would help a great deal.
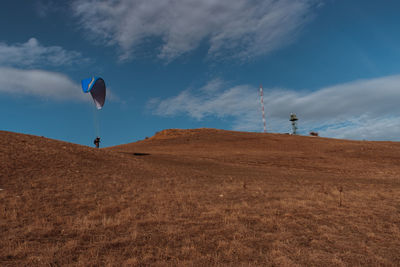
(97, 142)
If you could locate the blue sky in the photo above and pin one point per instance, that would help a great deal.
(191, 64)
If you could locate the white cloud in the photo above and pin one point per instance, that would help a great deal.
(44, 8)
(44, 84)
(235, 29)
(33, 54)
(366, 127)
(364, 109)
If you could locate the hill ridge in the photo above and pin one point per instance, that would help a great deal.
(200, 197)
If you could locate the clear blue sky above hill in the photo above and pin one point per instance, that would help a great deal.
(191, 64)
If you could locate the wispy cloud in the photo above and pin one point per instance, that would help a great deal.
(43, 84)
(366, 127)
(44, 7)
(21, 71)
(364, 109)
(32, 54)
(239, 29)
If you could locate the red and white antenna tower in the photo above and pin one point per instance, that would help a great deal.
(262, 105)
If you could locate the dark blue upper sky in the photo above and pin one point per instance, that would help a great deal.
(188, 64)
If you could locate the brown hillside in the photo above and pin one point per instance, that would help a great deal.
(200, 197)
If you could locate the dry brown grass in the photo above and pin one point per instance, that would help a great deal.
(200, 197)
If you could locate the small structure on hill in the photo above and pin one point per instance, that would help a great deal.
(294, 119)
(313, 134)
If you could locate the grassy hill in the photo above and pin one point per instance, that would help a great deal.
(200, 197)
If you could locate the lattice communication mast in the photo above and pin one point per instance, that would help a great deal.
(262, 106)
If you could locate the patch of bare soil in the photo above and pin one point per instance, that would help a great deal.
(200, 197)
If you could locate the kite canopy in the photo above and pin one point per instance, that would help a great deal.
(97, 89)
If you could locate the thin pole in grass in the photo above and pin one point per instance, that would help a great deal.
(340, 195)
